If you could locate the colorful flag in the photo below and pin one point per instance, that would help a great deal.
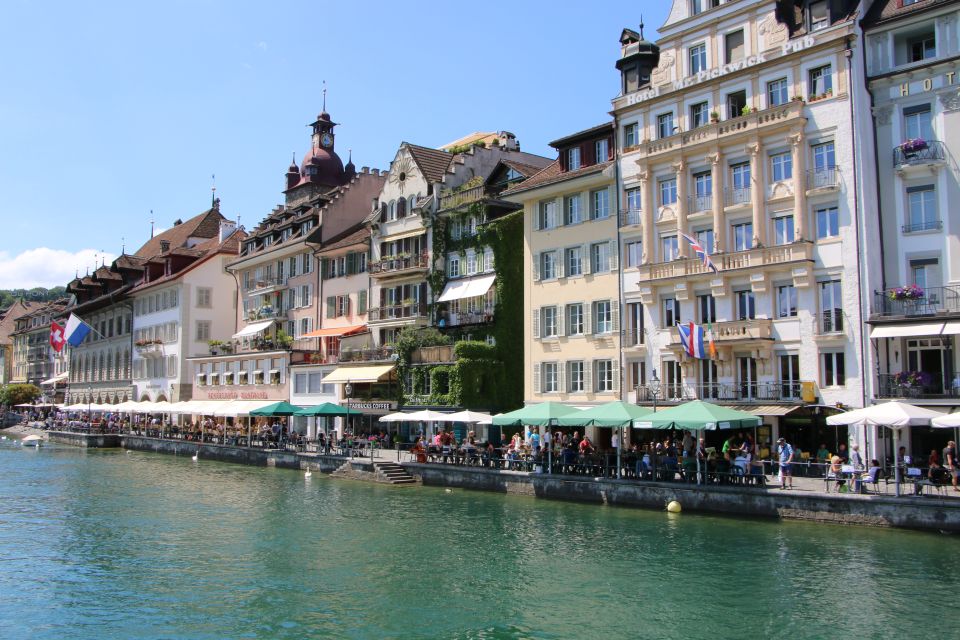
(712, 348)
(57, 339)
(76, 330)
(691, 337)
(701, 253)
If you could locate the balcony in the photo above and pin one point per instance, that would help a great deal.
(410, 311)
(829, 322)
(757, 257)
(466, 196)
(372, 354)
(924, 225)
(922, 387)
(150, 349)
(430, 355)
(823, 179)
(397, 265)
(918, 153)
(467, 318)
(631, 217)
(735, 331)
(734, 197)
(702, 203)
(931, 301)
(788, 392)
(267, 312)
(267, 285)
(752, 124)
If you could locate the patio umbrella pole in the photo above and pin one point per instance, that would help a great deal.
(619, 447)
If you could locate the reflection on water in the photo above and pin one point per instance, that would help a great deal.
(130, 545)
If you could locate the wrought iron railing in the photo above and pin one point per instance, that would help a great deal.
(630, 217)
(396, 312)
(722, 392)
(824, 178)
(737, 195)
(892, 385)
(391, 264)
(919, 153)
(932, 301)
(701, 203)
(924, 225)
(830, 321)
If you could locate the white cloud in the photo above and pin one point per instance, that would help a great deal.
(262, 45)
(44, 267)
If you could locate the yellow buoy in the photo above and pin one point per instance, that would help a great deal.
(674, 507)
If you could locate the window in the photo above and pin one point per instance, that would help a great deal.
(602, 317)
(824, 157)
(634, 334)
(671, 249)
(782, 166)
(453, 265)
(601, 150)
(833, 369)
(549, 377)
(925, 272)
(548, 214)
(604, 377)
(698, 58)
(783, 230)
(548, 322)
(736, 101)
(734, 46)
(634, 253)
(827, 223)
(742, 236)
(746, 305)
(573, 209)
(600, 201)
(922, 47)
(203, 330)
(699, 115)
(707, 307)
(575, 319)
(789, 375)
(575, 376)
(573, 159)
(665, 125)
(671, 312)
(819, 15)
(786, 301)
(702, 189)
(777, 92)
(600, 257)
(740, 183)
(831, 306)
(204, 295)
(631, 135)
(548, 265)
(343, 306)
(633, 200)
(705, 240)
(820, 84)
(699, 6)
(747, 377)
(922, 206)
(668, 191)
(917, 122)
(574, 262)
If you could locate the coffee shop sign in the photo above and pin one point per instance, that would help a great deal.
(711, 74)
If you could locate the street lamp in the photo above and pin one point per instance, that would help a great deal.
(654, 388)
(89, 401)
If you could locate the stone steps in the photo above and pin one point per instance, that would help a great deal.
(393, 473)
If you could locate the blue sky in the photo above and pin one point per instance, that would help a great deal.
(112, 110)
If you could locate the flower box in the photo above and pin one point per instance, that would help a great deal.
(910, 292)
(913, 145)
(912, 378)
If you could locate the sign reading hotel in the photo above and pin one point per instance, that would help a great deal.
(792, 46)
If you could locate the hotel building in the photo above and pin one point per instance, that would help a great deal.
(735, 129)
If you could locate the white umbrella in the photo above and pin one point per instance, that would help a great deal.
(951, 421)
(428, 415)
(395, 417)
(473, 417)
(895, 415)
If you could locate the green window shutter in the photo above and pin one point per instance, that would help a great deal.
(362, 301)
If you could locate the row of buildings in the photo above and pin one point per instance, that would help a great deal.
(803, 144)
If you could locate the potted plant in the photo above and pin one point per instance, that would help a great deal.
(913, 145)
(912, 378)
(798, 98)
(745, 110)
(714, 117)
(910, 292)
(215, 346)
(283, 340)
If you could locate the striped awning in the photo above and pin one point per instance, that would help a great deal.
(767, 409)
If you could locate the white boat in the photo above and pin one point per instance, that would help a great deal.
(32, 441)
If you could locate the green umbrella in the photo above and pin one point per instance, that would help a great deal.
(328, 409)
(698, 415)
(610, 414)
(539, 415)
(282, 408)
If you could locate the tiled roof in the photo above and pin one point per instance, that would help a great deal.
(18, 309)
(553, 174)
(127, 261)
(347, 239)
(433, 163)
(203, 252)
(204, 225)
(525, 169)
(592, 132)
(884, 10)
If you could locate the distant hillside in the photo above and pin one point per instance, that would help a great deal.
(37, 294)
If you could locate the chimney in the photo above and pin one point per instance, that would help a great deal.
(364, 169)
(226, 228)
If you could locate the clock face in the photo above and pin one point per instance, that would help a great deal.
(326, 140)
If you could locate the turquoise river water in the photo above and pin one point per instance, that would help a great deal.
(110, 544)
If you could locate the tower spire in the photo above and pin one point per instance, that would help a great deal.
(324, 95)
(151, 223)
(641, 26)
(213, 190)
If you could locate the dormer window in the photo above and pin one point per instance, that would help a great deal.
(699, 6)
(922, 47)
(573, 159)
(819, 14)
(602, 150)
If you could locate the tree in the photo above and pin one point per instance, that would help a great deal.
(14, 394)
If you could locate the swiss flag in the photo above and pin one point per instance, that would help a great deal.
(57, 339)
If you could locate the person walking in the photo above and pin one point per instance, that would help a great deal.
(785, 453)
(950, 462)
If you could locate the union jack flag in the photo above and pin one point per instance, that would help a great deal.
(701, 253)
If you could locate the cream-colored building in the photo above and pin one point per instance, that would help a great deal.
(735, 129)
(571, 262)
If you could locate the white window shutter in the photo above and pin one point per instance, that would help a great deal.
(588, 376)
(562, 377)
(616, 375)
(535, 319)
(586, 259)
(559, 263)
(560, 213)
(587, 318)
(614, 256)
(536, 267)
(536, 217)
(615, 316)
(560, 318)
(536, 378)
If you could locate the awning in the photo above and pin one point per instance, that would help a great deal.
(334, 331)
(767, 409)
(370, 373)
(55, 379)
(951, 329)
(401, 236)
(466, 288)
(906, 330)
(253, 329)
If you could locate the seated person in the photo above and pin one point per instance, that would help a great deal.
(834, 472)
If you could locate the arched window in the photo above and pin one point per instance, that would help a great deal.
(392, 215)
(401, 207)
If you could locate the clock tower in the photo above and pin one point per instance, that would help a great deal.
(323, 136)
